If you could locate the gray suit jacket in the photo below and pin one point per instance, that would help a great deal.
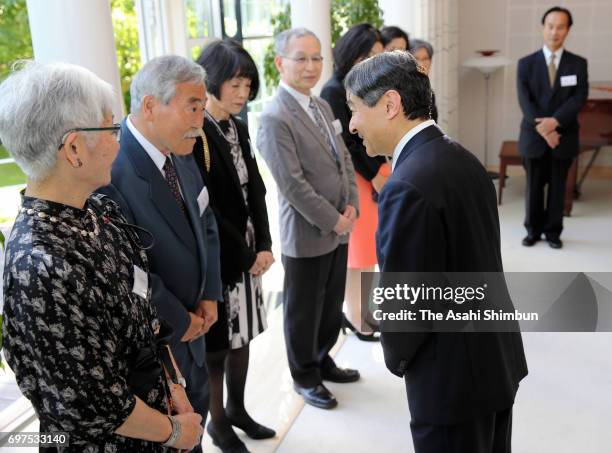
(313, 190)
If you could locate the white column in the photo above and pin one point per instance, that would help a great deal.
(316, 16)
(405, 14)
(78, 32)
(161, 28)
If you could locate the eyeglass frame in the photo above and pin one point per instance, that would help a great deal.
(314, 60)
(115, 128)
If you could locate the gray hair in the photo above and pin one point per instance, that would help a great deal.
(370, 79)
(159, 78)
(39, 103)
(416, 44)
(282, 40)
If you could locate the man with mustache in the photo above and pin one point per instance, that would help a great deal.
(157, 184)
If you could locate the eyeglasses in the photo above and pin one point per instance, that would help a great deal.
(115, 130)
(302, 61)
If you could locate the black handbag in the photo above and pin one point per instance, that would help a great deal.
(146, 364)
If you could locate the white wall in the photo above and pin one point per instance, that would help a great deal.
(513, 27)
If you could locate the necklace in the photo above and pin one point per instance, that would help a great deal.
(39, 215)
(232, 134)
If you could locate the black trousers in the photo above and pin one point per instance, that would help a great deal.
(491, 433)
(313, 293)
(550, 173)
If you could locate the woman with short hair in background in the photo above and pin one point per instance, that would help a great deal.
(394, 38)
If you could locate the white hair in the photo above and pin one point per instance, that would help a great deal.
(39, 103)
(159, 77)
(282, 40)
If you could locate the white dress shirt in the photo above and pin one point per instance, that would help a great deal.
(548, 55)
(158, 158)
(407, 137)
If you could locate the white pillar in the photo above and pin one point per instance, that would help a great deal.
(316, 16)
(161, 28)
(405, 14)
(78, 32)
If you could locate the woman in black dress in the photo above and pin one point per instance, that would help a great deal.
(80, 331)
(237, 196)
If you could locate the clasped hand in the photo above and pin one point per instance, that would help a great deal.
(547, 128)
(201, 320)
(346, 220)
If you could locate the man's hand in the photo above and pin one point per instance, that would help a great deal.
(546, 125)
(553, 139)
(378, 182)
(207, 310)
(350, 212)
(344, 225)
(195, 328)
(262, 263)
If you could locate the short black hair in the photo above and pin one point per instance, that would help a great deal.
(397, 70)
(559, 9)
(355, 44)
(391, 32)
(223, 60)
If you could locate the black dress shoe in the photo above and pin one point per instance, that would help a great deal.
(340, 375)
(231, 445)
(555, 243)
(529, 240)
(317, 396)
(254, 430)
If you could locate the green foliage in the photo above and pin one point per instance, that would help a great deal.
(344, 14)
(15, 39)
(280, 22)
(125, 29)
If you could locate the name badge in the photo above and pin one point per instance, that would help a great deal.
(203, 200)
(141, 282)
(569, 81)
(337, 127)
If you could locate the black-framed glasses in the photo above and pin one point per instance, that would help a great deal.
(115, 129)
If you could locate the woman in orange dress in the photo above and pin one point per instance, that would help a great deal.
(358, 43)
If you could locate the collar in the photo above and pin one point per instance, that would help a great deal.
(548, 53)
(406, 138)
(158, 158)
(302, 99)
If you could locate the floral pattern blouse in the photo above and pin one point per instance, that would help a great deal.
(72, 322)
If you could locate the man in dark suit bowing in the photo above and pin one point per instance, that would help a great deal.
(158, 186)
(437, 213)
(552, 86)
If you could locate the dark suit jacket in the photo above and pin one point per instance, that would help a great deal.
(537, 99)
(227, 201)
(335, 94)
(184, 261)
(438, 213)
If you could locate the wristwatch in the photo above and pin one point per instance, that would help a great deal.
(176, 433)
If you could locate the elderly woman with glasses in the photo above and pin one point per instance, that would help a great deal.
(80, 332)
(423, 54)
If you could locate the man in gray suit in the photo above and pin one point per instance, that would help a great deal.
(159, 188)
(303, 147)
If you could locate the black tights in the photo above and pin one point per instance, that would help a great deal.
(234, 363)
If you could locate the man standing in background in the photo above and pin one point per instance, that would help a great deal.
(552, 86)
(318, 204)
